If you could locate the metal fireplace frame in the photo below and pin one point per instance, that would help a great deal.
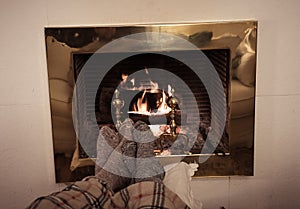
(239, 37)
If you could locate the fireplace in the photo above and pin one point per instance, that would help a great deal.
(139, 78)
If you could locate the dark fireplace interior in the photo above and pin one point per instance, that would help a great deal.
(148, 91)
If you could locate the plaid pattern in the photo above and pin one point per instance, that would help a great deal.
(93, 193)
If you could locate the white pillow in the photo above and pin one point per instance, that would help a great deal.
(245, 71)
(178, 179)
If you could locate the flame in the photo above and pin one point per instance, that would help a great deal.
(132, 81)
(169, 90)
(146, 85)
(142, 106)
(124, 77)
(129, 83)
(146, 71)
(163, 108)
(154, 86)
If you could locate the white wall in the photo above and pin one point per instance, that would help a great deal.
(26, 159)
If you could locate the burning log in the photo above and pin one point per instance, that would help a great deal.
(153, 119)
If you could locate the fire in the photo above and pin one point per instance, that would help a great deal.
(142, 105)
(134, 84)
(163, 108)
(124, 77)
(143, 83)
(132, 81)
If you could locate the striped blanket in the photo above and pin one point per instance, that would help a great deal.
(93, 193)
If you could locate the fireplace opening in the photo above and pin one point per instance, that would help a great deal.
(146, 96)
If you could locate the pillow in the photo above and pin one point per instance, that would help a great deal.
(245, 71)
(61, 90)
(178, 179)
(244, 63)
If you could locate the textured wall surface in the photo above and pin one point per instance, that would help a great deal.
(27, 168)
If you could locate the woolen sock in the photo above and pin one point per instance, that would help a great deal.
(148, 167)
(107, 141)
(115, 172)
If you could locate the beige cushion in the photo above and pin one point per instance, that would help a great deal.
(64, 135)
(241, 132)
(242, 98)
(61, 90)
(61, 109)
(59, 59)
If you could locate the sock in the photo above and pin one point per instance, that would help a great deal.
(107, 141)
(115, 172)
(148, 167)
